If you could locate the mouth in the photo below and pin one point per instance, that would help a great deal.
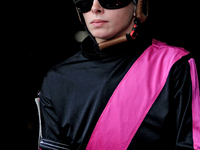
(98, 22)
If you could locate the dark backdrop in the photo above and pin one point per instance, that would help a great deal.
(40, 34)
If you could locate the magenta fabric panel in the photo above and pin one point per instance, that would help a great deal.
(133, 97)
(195, 105)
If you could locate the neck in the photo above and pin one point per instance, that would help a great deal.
(100, 40)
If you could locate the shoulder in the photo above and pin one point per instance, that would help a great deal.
(178, 56)
(63, 66)
(168, 53)
(183, 56)
(158, 45)
(58, 73)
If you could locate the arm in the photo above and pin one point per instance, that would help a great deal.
(183, 95)
(50, 130)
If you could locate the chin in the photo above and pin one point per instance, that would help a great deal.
(102, 35)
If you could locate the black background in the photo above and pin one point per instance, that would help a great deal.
(40, 34)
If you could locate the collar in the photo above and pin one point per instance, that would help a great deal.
(90, 48)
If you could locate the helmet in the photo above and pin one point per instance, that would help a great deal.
(142, 10)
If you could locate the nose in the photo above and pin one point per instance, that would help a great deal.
(96, 7)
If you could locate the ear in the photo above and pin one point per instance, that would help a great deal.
(142, 10)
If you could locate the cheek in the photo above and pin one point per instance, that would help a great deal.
(86, 18)
(120, 15)
(115, 19)
(120, 20)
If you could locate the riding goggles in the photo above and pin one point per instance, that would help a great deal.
(86, 5)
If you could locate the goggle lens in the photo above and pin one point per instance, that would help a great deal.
(86, 5)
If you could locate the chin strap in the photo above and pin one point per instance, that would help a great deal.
(124, 38)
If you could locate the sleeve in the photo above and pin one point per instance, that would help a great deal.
(195, 105)
(50, 130)
(186, 96)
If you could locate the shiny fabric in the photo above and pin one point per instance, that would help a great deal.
(75, 93)
(133, 97)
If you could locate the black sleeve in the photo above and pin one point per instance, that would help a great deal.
(50, 139)
(182, 99)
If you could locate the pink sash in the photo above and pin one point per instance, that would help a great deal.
(133, 97)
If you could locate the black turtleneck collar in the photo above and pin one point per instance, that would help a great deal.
(90, 47)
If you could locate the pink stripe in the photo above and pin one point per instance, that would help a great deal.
(133, 98)
(195, 105)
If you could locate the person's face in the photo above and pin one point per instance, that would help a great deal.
(105, 24)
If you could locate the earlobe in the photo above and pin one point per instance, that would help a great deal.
(134, 14)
